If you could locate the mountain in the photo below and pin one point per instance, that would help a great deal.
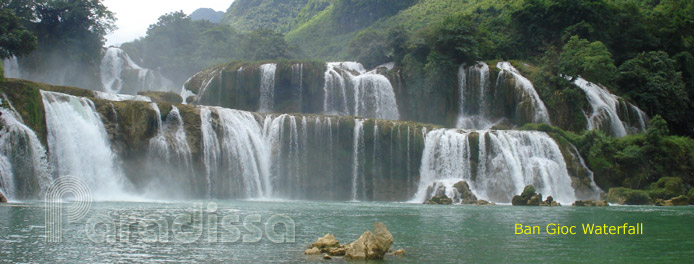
(207, 14)
(276, 15)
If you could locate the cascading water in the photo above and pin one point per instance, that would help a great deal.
(79, 145)
(298, 76)
(170, 155)
(529, 99)
(496, 164)
(236, 154)
(350, 90)
(267, 87)
(121, 97)
(358, 147)
(117, 68)
(474, 108)
(24, 168)
(605, 111)
(11, 67)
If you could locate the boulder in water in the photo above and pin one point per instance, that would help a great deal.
(590, 203)
(337, 251)
(676, 201)
(371, 245)
(326, 256)
(440, 199)
(312, 251)
(621, 195)
(326, 242)
(399, 252)
(527, 197)
(465, 194)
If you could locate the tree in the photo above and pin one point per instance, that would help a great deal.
(266, 44)
(651, 81)
(542, 23)
(457, 38)
(15, 39)
(369, 48)
(590, 60)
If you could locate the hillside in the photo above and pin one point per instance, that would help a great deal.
(277, 15)
(207, 14)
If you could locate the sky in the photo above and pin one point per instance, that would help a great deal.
(134, 16)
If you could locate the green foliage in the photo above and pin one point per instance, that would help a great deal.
(180, 47)
(15, 39)
(266, 45)
(274, 15)
(591, 60)
(457, 38)
(369, 48)
(628, 196)
(666, 188)
(651, 81)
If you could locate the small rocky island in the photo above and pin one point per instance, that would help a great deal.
(461, 195)
(368, 246)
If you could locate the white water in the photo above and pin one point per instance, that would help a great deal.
(508, 162)
(11, 68)
(121, 97)
(371, 93)
(358, 147)
(21, 155)
(116, 64)
(298, 71)
(474, 108)
(605, 107)
(523, 85)
(267, 87)
(79, 145)
(236, 154)
(170, 155)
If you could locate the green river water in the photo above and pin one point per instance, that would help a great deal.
(429, 234)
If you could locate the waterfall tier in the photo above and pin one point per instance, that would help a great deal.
(79, 145)
(611, 113)
(496, 164)
(120, 75)
(24, 168)
(338, 88)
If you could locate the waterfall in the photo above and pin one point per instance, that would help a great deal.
(605, 111)
(267, 87)
(24, 168)
(11, 67)
(358, 147)
(298, 77)
(236, 154)
(79, 145)
(371, 93)
(121, 97)
(111, 68)
(117, 69)
(474, 106)
(526, 91)
(170, 156)
(506, 161)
